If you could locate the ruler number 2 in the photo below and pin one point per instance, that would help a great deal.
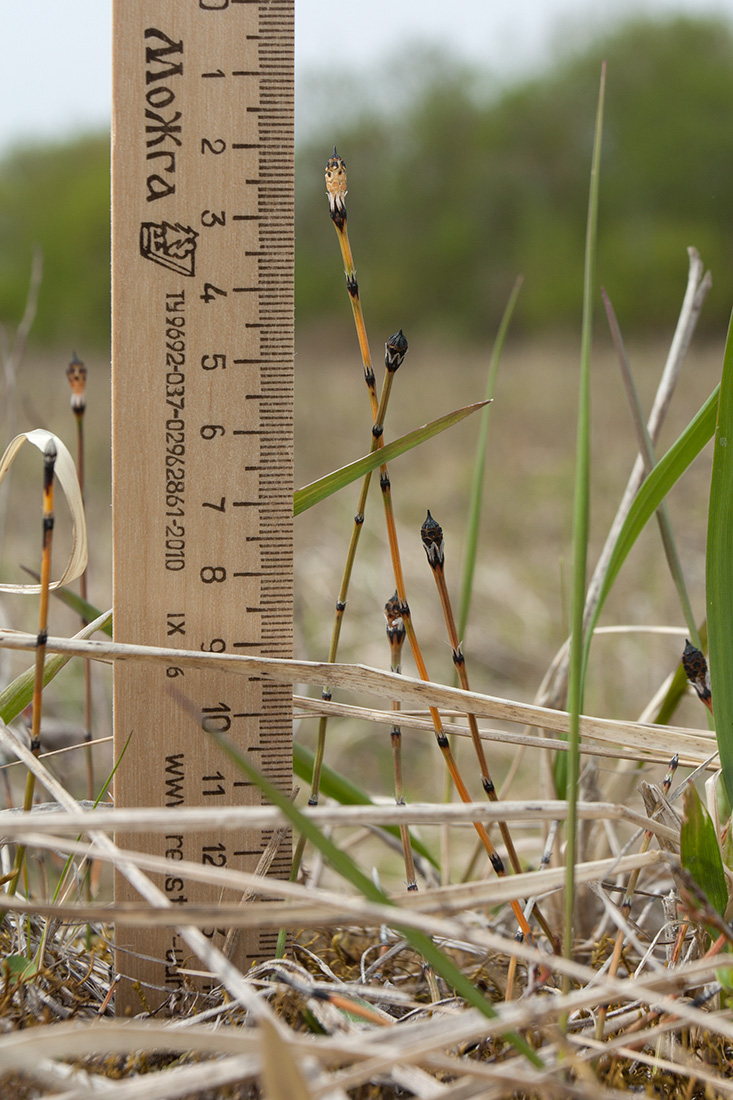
(217, 146)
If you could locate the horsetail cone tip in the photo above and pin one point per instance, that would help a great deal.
(431, 534)
(696, 670)
(395, 351)
(336, 188)
(395, 623)
(76, 372)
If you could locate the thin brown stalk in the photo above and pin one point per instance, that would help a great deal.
(395, 351)
(49, 461)
(443, 742)
(433, 542)
(396, 638)
(394, 354)
(336, 189)
(76, 373)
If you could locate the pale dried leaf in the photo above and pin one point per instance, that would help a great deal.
(65, 471)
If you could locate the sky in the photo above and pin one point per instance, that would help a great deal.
(55, 54)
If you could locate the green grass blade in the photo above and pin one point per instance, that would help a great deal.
(318, 490)
(479, 468)
(105, 787)
(83, 608)
(700, 852)
(335, 785)
(18, 694)
(343, 864)
(651, 493)
(581, 526)
(719, 571)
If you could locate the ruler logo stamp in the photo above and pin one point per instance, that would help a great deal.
(171, 246)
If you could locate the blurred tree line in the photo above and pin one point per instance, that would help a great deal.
(453, 194)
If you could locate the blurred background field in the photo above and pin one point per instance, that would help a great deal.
(458, 182)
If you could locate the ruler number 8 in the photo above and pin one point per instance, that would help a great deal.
(213, 574)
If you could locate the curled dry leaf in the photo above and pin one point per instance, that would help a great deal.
(66, 473)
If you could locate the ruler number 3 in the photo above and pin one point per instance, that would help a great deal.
(209, 218)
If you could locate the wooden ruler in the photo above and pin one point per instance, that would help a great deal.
(202, 234)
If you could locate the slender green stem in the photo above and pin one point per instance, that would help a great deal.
(581, 526)
(477, 482)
